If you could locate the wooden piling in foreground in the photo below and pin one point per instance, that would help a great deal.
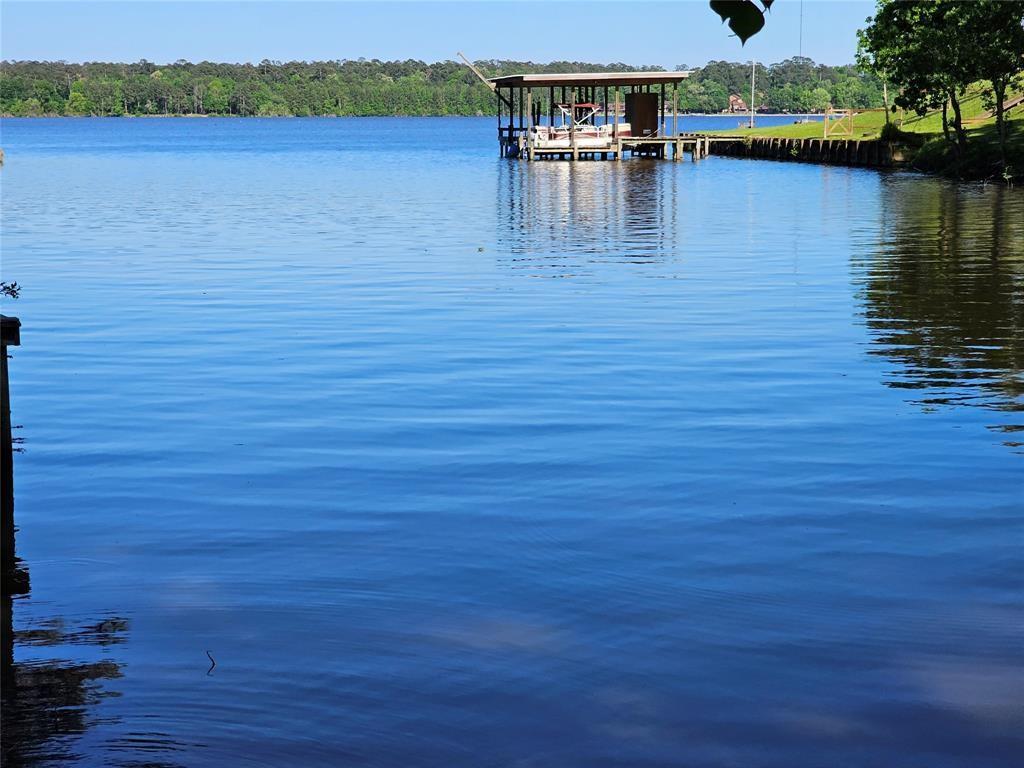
(10, 336)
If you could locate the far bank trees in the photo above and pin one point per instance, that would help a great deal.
(30, 88)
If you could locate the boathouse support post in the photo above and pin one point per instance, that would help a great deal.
(675, 109)
(662, 125)
(529, 134)
(501, 131)
(615, 116)
(511, 118)
(677, 147)
(572, 123)
(615, 127)
(521, 120)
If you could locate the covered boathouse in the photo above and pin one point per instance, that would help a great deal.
(591, 115)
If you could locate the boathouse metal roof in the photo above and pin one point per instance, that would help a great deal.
(588, 78)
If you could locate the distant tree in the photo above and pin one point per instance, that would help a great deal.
(921, 47)
(104, 93)
(217, 97)
(78, 103)
(819, 100)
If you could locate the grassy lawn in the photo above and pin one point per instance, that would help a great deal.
(934, 154)
(982, 160)
(868, 125)
(865, 125)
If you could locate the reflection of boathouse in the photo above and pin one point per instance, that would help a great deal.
(591, 115)
(572, 220)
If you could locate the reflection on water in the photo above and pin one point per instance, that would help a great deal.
(48, 703)
(944, 296)
(53, 696)
(561, 216)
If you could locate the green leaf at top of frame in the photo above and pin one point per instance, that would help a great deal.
(743, 16)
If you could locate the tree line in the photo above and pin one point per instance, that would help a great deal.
(373, 87)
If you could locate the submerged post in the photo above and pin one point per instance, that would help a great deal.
(10, 335)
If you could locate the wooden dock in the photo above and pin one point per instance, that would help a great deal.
(674, 148)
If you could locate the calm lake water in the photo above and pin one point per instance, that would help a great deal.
(454, 461)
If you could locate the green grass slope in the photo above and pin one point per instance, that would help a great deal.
(925, 132)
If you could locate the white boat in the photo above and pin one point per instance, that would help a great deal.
(580, 127)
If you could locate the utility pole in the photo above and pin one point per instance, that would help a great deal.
(753, 69)
(801, 44)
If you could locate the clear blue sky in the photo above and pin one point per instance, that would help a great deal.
(660, 33)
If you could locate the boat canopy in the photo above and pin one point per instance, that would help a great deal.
(570, 79)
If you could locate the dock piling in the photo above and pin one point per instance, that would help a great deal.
(10, 335)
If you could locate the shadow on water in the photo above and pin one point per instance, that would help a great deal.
(562, 216)
(943, 297)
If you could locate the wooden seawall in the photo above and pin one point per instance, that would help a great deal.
(869, 153)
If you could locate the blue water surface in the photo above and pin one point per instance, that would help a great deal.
(449, 460)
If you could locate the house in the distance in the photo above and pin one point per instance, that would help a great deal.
(736, 104)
